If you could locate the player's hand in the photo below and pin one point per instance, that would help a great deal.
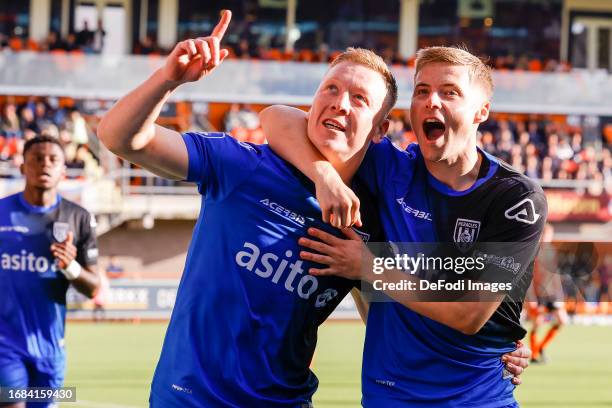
(344, 257)
(339, 204)
(517, 361)
(193, 59)
(65, 252)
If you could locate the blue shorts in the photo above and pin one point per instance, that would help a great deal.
(20, 371)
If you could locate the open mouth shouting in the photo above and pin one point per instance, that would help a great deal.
(433, 128)
(333, 125)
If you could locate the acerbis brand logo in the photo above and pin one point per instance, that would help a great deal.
(324, 298)
(413, 211)
(466, 232)
(26, 262)
(284, 212)
(182, 389)
(14, 228)
(524, 211)
(270, 266)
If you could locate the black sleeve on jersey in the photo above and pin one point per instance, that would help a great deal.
(86, 241)
(518, 219)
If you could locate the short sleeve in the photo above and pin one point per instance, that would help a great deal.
(520, 214)
(218, 162)
(381, 164)
(519, 217)
(87, 245)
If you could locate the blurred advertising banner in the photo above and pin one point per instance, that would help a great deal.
(127, 300)
(566, 205)
(149, 299)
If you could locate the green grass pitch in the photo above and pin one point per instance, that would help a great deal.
(112, 364)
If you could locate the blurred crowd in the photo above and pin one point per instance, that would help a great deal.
(544, 150)
(18, 123)
(85, 40)
(548, 150)
(246, 48)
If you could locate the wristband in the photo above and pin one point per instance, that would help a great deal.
(72, 271)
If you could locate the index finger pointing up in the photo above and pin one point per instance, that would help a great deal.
(221, 27)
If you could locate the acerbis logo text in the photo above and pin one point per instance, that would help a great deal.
(26, 262)
(283, 212)
(413, 211)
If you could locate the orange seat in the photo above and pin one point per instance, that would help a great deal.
(274, 54)
(15, 43)
(535, 65)
(32, 45)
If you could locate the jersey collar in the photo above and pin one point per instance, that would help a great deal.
(37, 209)
(444, 189)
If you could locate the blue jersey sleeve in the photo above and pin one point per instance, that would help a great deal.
(380, 165)
(218, 163)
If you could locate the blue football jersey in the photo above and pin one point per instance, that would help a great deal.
(32, 290)
(411, 360)
(244, 325)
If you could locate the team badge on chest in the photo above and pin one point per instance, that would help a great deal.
(60, 231)
(466, 233)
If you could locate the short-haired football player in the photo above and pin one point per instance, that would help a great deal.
(416, 353)
(47, 243)
(244, 326)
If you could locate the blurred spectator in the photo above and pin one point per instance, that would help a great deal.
(10, 125)
(114, 270)
(84, 38)
(147, 46)
(98, 38)
(232, 118)
(28, 121)
(396, 132)
(71, 43)
(564, 151)
(244, 49)
(243, 123)
(53, 42)
(322, 53)
(78, 127)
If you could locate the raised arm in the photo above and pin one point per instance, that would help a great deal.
(128, 129)
(285, 129)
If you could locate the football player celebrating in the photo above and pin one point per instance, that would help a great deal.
(47, 243)
(244, 326)
(416, 353)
